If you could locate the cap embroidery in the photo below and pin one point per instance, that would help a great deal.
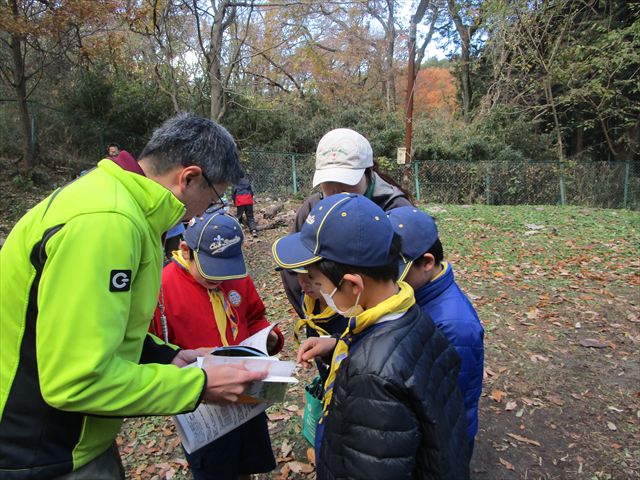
(220, 244)
(310, 219)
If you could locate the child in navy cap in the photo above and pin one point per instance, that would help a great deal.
(208, 300)
(439, 296)
(392, 408)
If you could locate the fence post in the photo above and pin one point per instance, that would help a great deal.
(562, 194)
(626, 184)
(487, 184)
(294, 173)
(416, 179)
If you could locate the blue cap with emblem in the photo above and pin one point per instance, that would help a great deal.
(345, 228)
(216, 240)
(418, 231)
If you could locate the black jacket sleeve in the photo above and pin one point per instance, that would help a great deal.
(154, 352)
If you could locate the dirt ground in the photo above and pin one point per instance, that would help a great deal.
(558, 290)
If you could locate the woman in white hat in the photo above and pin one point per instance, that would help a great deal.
(344, 163)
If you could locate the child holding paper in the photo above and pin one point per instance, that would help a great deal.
(208, 300)
(318, 320)
(392, 405)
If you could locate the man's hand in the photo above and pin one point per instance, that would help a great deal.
(225, 383)
(186, 357)
(315, 347)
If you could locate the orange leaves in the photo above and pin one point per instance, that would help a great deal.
(496, 395)
(435, 91)
(507, 465)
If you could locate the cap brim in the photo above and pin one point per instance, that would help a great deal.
(294, 270)
(220, 268)
(290, 253)
(347, 176)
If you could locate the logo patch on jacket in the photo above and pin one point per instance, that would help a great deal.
(120, 281)
(235, 298)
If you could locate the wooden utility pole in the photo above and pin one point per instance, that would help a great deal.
(411, 78)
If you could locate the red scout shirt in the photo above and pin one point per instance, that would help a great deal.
(189, 313)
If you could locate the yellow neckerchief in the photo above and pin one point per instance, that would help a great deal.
(222, 311)
(445, 267)
(398, 303)
(312, 319)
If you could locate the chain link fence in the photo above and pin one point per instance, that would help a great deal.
(592, 184)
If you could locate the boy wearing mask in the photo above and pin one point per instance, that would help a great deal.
(392, 408)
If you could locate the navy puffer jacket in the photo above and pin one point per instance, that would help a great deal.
(397, 411)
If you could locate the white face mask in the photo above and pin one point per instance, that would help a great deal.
(350, 312)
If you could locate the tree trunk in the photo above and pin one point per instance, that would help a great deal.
(390, 33)
(215, 63)
(579, 141)
(556, 120)
(465, 78)
(628, 144)
(390, 90)
(465, 32)
(20, 87)
(216, 87)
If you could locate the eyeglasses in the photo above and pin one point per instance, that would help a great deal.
(215, 206)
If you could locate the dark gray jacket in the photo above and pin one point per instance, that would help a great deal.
(397, 412)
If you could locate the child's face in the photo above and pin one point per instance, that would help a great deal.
(421, 272)
(342, 297)
(193, 269)
(415, 277)
(308, 287)
(208, 284)
(331, 188)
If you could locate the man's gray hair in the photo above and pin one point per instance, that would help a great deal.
(186, 140)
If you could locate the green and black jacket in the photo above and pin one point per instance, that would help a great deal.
(79, 281)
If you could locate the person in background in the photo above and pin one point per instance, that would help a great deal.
(242, 196)
(172, 240)
(121, 157)
(439, 296)
(208, 300)
(344, 163)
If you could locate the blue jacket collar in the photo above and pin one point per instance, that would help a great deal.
(433, 289)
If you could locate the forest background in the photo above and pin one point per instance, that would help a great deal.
(521, 80)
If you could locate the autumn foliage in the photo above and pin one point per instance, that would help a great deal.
(435, 92)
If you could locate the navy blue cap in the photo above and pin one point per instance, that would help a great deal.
(345, 228)
(418, 231)
(216, 240)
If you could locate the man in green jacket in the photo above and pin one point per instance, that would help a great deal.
(79, 280)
